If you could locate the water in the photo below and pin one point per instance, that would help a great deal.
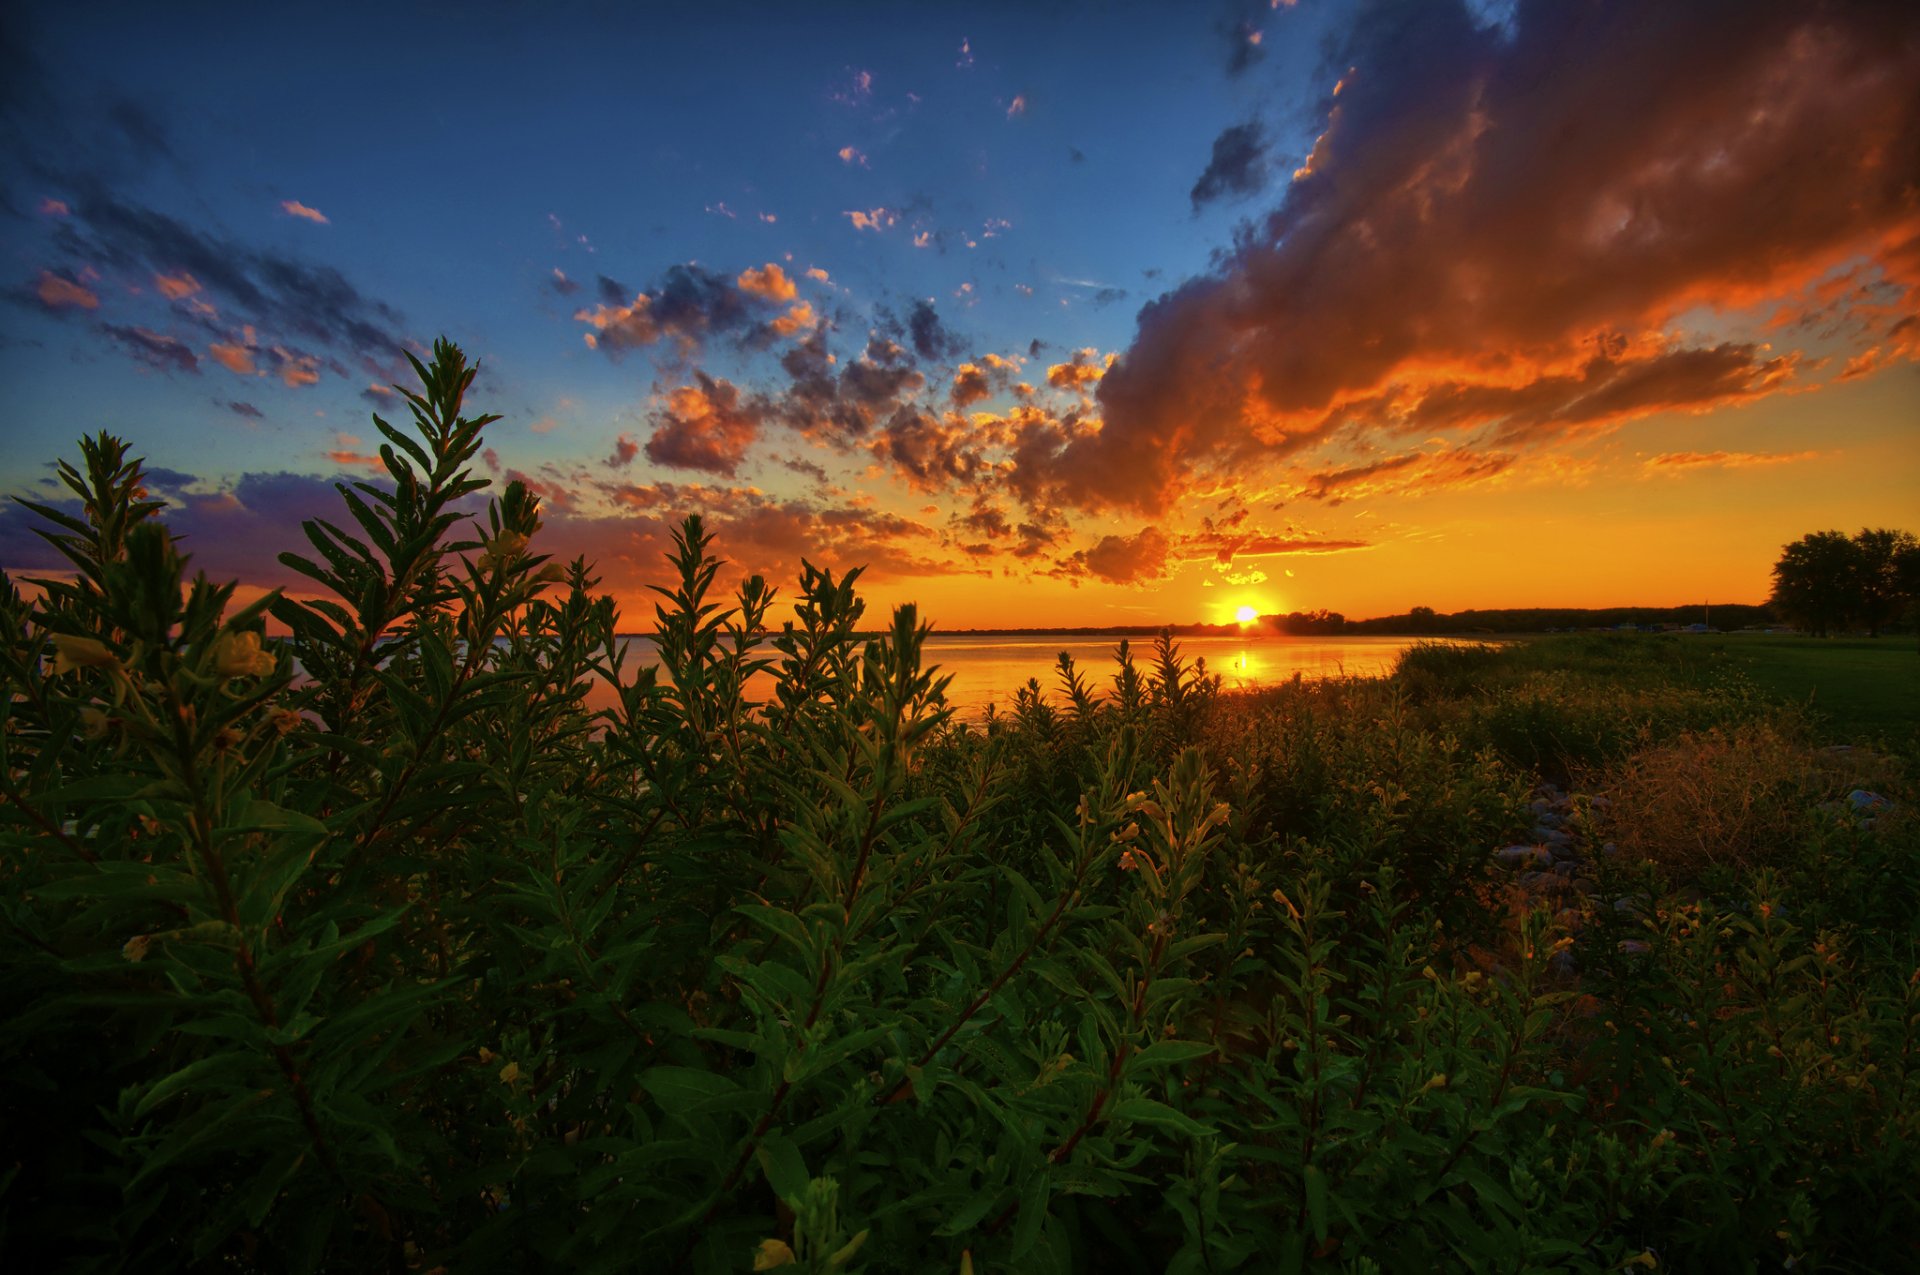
(988, 670)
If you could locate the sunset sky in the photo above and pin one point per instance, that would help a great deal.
(1048, 314)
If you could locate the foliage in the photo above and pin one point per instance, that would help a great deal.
(1826, 581)
(374, 946)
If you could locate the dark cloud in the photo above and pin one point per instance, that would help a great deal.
(1238, 165)
(1127, 559)
(152, 348)
(278, 293)
(931, 339)
(931, 452)
(611, 291)
(624, 450)
(689, 305)
(843, 403)
(708, 425)
(247, 410)
(1239, 29)
(561, 285)
(142, 129)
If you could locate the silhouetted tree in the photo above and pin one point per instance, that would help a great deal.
(1814, 582)
(1881, 592)
(1828, 581)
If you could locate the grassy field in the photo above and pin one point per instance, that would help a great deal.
(1855, 688)
(1868, 686)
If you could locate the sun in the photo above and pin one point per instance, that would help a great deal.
(1246, 615)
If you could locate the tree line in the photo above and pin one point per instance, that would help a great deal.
(1829, 582)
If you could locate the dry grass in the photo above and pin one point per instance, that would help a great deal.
(1736, 797)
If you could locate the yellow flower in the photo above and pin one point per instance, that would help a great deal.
(502, 550)
(772, 1254)
(1437, 1081)
(70, 653)
(239, 655)
(510, 1073)
(136, 947)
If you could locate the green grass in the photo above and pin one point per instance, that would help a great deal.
(1859, 686)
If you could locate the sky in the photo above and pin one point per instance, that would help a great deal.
(1043, 314)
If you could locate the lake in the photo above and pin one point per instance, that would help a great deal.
(987, 670)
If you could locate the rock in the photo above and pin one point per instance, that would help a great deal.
(1564, 870)
(1586, 885)
(1563, 852)
(1538, 882)
(1552, 837)
(1634, 947)
(1570, 919)
(1626, 903)
(1863, 802)
(1601, 803)
(1563, 964)
(1520, 856)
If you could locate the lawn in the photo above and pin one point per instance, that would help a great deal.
(1862, 686)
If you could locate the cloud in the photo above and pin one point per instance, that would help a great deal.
(930, 337)
(54, 208)
(1017, 107)
(248, 410)
(1131, 559)
(163, 353)
(769, 281)
(57, 292)
(1238, 30)
(277, 293)
(876, 220)
(294, 208)
(1679, 462)
(1080, 372)
(818, 275)
(234, 357)
(1473, 222)
(852, 156)
(689, 304)
(561, 284)
(624, 450)
(1238, 165)
(176, 287)
(707, 426)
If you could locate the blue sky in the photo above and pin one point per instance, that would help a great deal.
(1044, 313)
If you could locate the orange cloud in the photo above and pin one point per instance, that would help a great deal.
(770, 281)
(1677, 462)
(54, 208)
(1484, 243)
(294, 208)
(877, 219)
(237, 359)
(849, 155)
(707, 425)
(174, 287)
(800, 318)
(57, 293)
(1135, 559)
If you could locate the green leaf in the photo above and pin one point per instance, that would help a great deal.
(785, 1169)
(1149, 1111)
